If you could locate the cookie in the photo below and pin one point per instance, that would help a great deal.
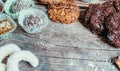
(94, 18)
(117, 5)
(19, 5)
(96, 15)
(33, 20)
(113, 27)
(13, 7)
(63, 12)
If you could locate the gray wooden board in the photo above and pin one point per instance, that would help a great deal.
(62, 47)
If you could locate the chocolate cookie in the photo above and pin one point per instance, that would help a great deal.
(96, 14)
(104, 20)
(117, 5)
(94, 18)
(113, 27)
(63, 12)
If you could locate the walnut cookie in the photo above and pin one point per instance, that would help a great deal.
(63, 12)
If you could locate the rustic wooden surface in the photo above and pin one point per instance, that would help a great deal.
(61, 47)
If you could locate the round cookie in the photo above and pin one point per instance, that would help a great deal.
(63, 12)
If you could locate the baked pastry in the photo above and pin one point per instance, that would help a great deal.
(33, 20)
(117, 5)
(5, 26)
(13, 7)
(19, 5)
(104, 19)
(63, 12)
(16, 57)
(5, 51)
(113, 27)
(96, 15)
(94, 18)
(54, 1)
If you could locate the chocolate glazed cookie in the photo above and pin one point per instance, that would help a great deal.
(63, 12)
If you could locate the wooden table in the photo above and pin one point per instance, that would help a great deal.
(61, 47)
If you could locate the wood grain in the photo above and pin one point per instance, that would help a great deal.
(61, 47)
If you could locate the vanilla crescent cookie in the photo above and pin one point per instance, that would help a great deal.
(14, 59)
(5, 51)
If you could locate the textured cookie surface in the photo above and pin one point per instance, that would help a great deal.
(63, 12)
(113, 27)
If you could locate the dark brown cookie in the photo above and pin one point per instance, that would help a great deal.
(96, 14)
(63, 12)
(113, 27)
(117, 5)
(94, 18)
(104, 19)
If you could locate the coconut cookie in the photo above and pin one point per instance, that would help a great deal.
(13, 7)
(5, 51)
(33, 20)
(14, 59)
(63, 12)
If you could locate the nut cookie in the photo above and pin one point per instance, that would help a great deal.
(63, 12)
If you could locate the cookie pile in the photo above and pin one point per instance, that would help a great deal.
(64, 11)
(104, 19)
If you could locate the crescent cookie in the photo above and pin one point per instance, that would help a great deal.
(5, 51)
(15, 58)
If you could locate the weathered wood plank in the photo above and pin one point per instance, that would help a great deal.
(54, 64)
(64, 57)
(62, 47)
